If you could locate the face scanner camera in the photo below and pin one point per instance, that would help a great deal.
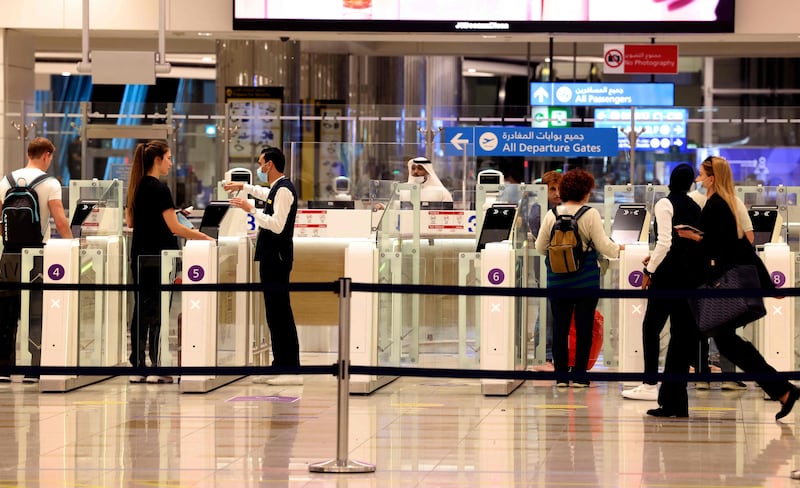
(237, 174)
(490, 177)
(341, 184)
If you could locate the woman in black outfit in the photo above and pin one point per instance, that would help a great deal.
(672, 266)
(151, 213)
(723, 245)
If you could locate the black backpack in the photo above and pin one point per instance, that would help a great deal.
(565, 251)
(21, 215)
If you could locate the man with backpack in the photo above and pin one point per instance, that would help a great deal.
(28, 197)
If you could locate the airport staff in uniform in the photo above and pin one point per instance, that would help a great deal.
(274, 252)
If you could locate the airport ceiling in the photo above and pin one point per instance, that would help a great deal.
(500, 46)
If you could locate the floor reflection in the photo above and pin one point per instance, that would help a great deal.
(418, 432)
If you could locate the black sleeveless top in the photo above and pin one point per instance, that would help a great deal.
(682, 267)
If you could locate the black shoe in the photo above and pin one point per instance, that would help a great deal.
(787, 406)
(663, 412)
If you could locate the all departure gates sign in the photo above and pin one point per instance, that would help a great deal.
(530, 142)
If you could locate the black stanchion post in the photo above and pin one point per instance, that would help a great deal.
(341, 464)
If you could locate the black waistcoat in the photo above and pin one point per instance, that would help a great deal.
(277, 249)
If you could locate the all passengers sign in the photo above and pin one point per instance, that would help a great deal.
(640, 58)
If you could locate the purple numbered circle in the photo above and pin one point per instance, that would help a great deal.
(778, 278)
(635, 278)
(496, 276)
(195, 273)
(55, 272)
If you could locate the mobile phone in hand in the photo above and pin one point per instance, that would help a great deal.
(689, 228)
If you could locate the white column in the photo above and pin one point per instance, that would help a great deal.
(17, 82)
(3, 121)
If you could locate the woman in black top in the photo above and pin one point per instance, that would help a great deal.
(724, 246)
(151, 213)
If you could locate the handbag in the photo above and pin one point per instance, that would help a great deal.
(716, 314)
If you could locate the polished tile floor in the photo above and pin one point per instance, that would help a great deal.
(417, 431)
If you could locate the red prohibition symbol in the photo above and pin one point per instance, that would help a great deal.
(614, 58)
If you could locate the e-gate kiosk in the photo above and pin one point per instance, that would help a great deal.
(216, 326)
(631, 227)
(86, 328)
(776, 338)
(502, 343)
(627, 219)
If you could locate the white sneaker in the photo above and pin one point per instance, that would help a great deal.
(159, 379)
(642, 392)
(5, 379)
(262, 379)
(286, 380)
(702, 385)
(136, 379)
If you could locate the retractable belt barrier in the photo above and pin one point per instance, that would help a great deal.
(334, 287)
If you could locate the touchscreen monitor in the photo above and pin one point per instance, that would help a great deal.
(497, 224)
(630, 224)
(765, 220)
(82, 211)
(212, 218)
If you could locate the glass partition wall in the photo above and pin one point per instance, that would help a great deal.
(370, 147)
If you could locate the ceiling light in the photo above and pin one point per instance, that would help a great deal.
(66, 73)
(206, 59)
(204, 34)
(472, 70)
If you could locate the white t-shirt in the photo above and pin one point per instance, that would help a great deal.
(49, 189)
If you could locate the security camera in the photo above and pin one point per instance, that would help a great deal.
(284, 38)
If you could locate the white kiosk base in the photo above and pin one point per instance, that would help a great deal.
(777, 334)
(360, 264)
(631, 310)
(60, 328)
(497, 318)
(199, 309)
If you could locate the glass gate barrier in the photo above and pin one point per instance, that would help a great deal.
(439, 247)
(29, 336)
(229, 326)
(84, 327)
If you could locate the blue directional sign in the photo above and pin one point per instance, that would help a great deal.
(529, 142)
(603, 94)
(658, 129)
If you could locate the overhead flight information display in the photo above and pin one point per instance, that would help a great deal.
(648, 16)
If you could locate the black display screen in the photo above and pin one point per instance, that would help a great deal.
(212, 218)
(764, 220)
(628, 223)
(82, 210)
(497, 224)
